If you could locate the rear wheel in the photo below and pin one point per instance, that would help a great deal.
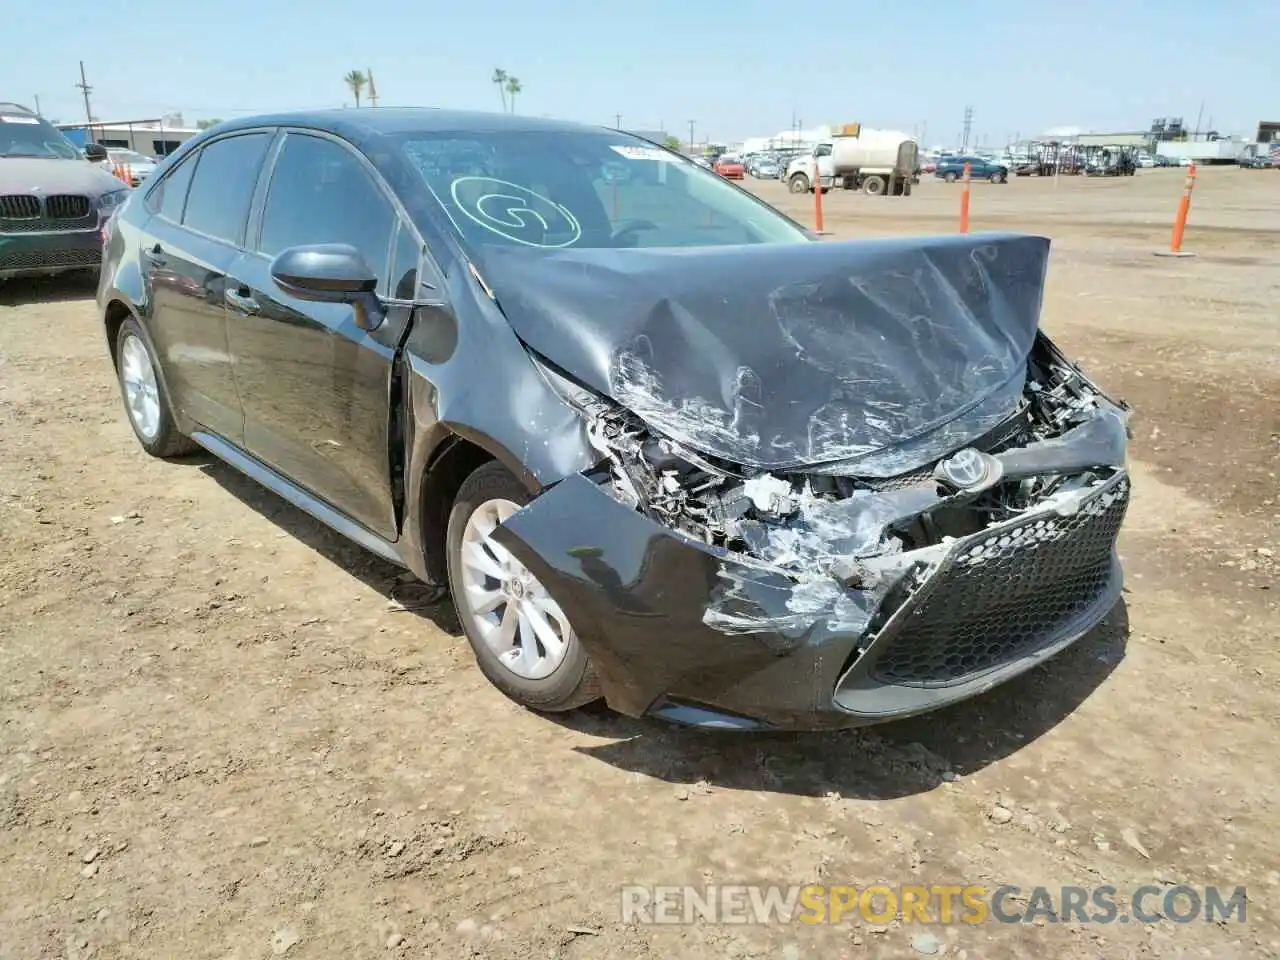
(997, 177)
(145, 401)
(798, 183)
(873, 186)
(521, 638)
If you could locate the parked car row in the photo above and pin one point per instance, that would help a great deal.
(136, 166)
(1257, 161)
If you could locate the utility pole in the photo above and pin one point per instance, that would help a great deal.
(617, 121)
(924, 133)
(968, 127)
(84, 86)
(691, 136)
(38, 105)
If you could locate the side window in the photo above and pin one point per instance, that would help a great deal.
(320, 192)
(404, 265)
(169, 197)
(220, 195)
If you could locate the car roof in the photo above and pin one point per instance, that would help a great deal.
(369, 123)
(16, 108)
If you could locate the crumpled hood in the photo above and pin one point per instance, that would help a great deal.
(881, 353)
(43, 177)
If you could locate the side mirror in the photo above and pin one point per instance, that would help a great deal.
(95, 152)
(330, 273)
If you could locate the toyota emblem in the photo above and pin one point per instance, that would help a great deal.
(969, 469)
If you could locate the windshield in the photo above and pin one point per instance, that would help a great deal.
(26, 136)
(584, 190)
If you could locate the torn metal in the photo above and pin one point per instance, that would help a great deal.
(845, 542)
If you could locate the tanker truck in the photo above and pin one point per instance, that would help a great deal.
(877, 162)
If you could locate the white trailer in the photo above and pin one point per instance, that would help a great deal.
(877, 162)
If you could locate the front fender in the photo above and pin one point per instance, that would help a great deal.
(468, 376)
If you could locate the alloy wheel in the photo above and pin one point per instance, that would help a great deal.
(510, 608)
(141, 392)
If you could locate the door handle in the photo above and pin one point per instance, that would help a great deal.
(156, 255)
(241, 299)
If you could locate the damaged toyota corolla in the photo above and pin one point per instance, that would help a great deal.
(661, 444)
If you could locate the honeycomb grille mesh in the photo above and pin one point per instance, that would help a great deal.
(52, 259)
(1007, 594)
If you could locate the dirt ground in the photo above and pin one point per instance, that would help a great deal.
(226, 733)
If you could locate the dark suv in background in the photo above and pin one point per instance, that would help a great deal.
(54, 200)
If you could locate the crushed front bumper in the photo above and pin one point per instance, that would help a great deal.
(991, 606)
(49, 252)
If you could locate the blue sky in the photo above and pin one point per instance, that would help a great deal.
(737, 68)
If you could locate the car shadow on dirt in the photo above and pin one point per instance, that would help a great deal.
(883, 762)
(876, 763)
(23, 291)
(395, 583)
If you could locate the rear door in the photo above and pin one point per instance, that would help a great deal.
(316, 387)
(200, 211)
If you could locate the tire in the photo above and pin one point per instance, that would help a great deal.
(571, 681)
(951, 176)
(798, 183)
(873, 186)
(156, 429)
(997, 177)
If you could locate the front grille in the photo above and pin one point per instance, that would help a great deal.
(67, 206)
(46, 225)
(51, 259)
(21, 213)
(1006, 594)
(19, 207)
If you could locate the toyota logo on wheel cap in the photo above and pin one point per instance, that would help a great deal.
(969, 469)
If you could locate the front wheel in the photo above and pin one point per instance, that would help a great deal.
(873, 186)
(951, 176)
(798, 183)
(997, 177)
(521, 638)
(145, 401)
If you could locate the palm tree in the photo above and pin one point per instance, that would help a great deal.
(356, 81)
(513, 88)
(500, 78)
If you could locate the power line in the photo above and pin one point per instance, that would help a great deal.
(84, 86)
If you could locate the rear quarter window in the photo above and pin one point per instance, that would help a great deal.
(222, 189)
(170, 194)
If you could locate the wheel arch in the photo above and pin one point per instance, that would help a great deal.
(114, 315)
(450, 455)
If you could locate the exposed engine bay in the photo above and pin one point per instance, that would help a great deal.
(725, 506)
(829, 527)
